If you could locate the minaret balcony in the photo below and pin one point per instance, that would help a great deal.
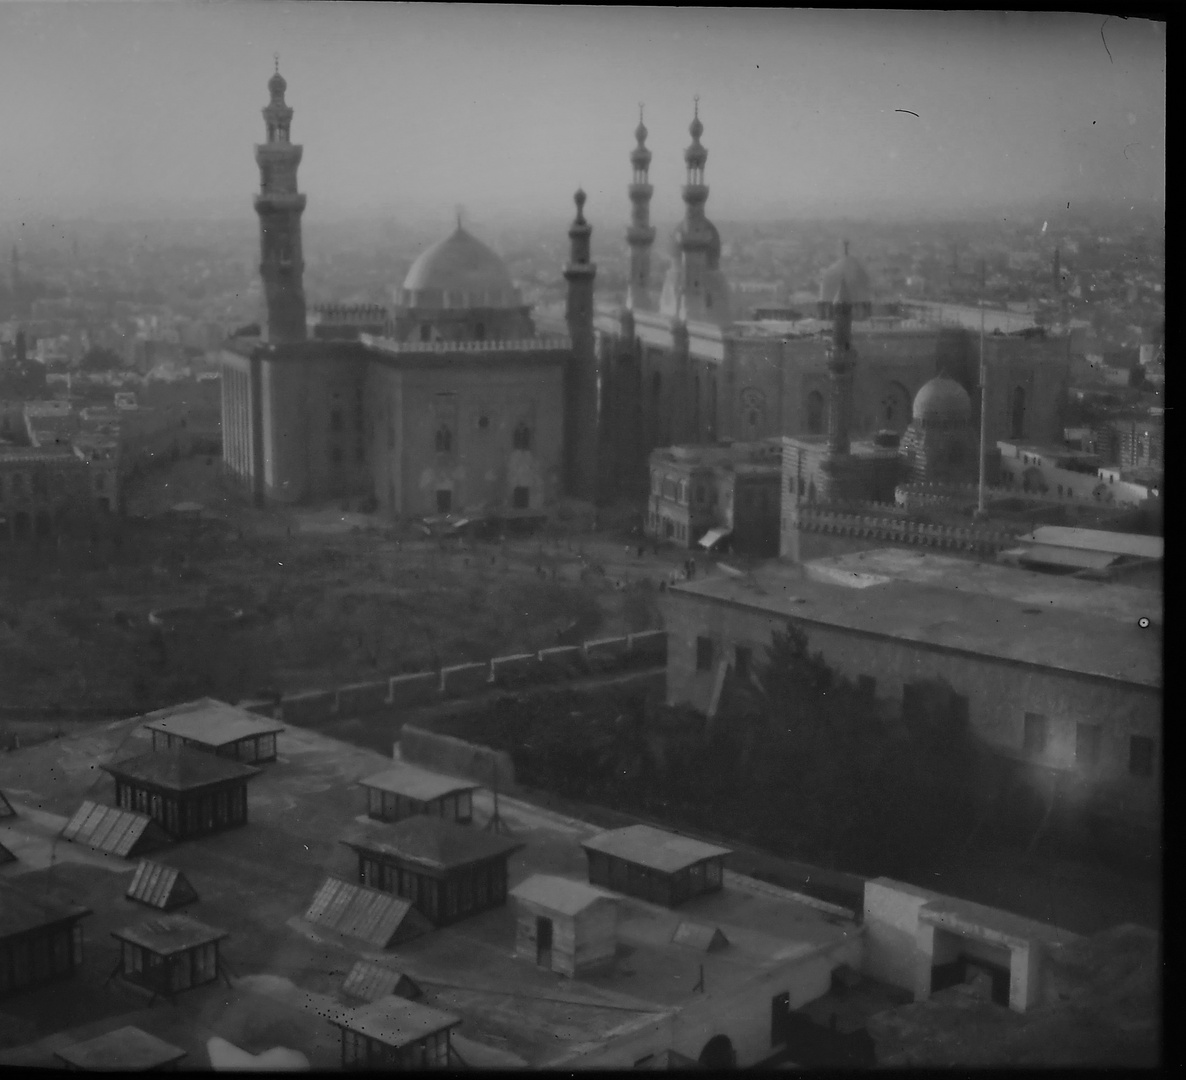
(280, 200)
(640, 234)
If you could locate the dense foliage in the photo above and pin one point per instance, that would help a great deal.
(799, 761)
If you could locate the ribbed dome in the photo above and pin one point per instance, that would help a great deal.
(855, 276)
(460, 266)
(942, 401)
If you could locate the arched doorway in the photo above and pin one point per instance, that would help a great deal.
(894, 408)
(815, 413)
(718, 1053)
(1017, 424)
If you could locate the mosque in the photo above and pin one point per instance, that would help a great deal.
(450, 401)
(685, 366)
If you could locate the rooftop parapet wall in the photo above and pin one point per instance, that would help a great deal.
(900, 530)
(557, 343)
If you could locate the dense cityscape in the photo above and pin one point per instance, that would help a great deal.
(567, 638)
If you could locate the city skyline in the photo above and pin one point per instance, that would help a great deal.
(415, 109)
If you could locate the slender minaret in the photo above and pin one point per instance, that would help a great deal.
(696, 234)
(581, 381)
(641, 234)
(280, 206)
(841, 360)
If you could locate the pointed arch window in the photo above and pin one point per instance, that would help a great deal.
(521, 439)
(444, 439)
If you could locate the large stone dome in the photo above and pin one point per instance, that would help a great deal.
(849, 270)
(942, 401)
(459, 272)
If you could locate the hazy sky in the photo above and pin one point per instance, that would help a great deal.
(416, 108)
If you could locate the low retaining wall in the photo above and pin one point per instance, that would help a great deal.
(310, 708)
(417, 689)
(556, 664)
(363, 697)
(456, 757)
(462, 680)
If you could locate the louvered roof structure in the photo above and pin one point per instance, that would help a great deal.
(127, 1049)
(433, 842)
(370, 915)
(113, 831)
(22, 911)
(654, 848)
(170, 934)
(370, 981)
(180, 769)
(160, 886)
(412, 781)
(210, 722)
(395, 1021)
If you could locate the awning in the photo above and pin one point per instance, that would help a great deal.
(713, 537)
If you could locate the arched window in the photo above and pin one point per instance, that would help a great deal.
(1018, 413)
(444, 439)
(480, 332)
(815, 413)
(425, 332)
(521, 440)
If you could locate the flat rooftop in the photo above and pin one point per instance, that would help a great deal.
(125, 1049)
(213, 723)
(258, 881)
(1098, 540)
(414, 782)
(1003, 621)
(667, 852)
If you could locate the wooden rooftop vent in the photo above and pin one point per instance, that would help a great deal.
(159, 886)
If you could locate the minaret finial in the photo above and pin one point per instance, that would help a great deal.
(276, 63)
(695, 106)
(640, 112)
(457, 210)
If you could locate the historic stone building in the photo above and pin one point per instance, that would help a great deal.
(686, 367)
(448, 402)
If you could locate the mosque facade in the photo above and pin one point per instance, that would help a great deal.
(448, 402)
(681, 365)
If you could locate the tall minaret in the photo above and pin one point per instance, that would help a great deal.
(280, 206)
(581, 379)
(841, 360)
(641, 234)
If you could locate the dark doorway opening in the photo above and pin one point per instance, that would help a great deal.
(968, 969)
(780, 1014)
(718, 1053)
(444, 501)
(543, 941)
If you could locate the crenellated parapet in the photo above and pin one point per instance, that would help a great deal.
(899, 530)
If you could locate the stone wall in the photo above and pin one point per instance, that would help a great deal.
(599, 656)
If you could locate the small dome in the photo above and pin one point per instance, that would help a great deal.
(460, 265)
(277, 85)
(854, 275)
(942, 401)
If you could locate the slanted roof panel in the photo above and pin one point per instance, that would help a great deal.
(160, 886)
(700, 937)
(6, 856)
(561, 895)
(113, 831)
(357, 911)
(125, 1049)
(369, 981)
(654, 848)
(6, 809)
(211, 723)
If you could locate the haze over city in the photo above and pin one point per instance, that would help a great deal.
(152, 109)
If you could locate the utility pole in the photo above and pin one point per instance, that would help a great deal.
(981, 509)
